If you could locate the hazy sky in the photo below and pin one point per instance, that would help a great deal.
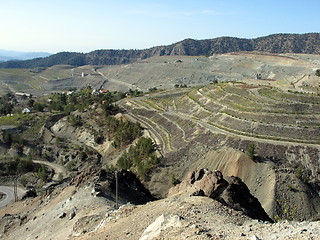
(86, 25)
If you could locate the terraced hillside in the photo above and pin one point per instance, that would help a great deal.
(189, 125)
(295, 72)
(260, 113)
(264, 113)
(38, 81)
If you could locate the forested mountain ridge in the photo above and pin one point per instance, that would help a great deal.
(277, 43)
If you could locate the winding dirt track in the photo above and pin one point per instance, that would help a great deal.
(9, 195)
(8, 190)
(129, 85)
(156, 137)
(58, 169)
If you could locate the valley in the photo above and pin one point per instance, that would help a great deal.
(252, 115)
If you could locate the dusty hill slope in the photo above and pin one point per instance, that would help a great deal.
(277, 43)
(76, 213)
(294, 72)
(289, 71)
(196, 218)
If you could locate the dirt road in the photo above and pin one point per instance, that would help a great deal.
(129, 85)
(9, 195)
(58, 169)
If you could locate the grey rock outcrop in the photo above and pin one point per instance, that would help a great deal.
(230, 191)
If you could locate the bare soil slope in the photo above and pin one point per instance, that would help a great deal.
(290, 71)
(259, 177)
(77, 214)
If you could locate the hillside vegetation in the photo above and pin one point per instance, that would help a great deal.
(73, 130)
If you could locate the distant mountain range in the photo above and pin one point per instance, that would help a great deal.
(276, 43)
(7, 55)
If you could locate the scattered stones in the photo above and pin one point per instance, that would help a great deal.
(161, 223)
(72, 214)
(88, 224)
(254, 237)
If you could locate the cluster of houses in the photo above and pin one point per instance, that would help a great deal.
(26, 95)
(23, 94)
(94, 92)
(27, 110)
(98, 91)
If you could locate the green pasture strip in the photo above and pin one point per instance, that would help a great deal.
(279, 95)
(254, 135)
(153, 105)
(16, 119)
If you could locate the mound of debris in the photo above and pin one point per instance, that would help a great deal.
(230, 191)
(130, 189)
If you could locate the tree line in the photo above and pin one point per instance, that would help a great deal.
(140, 158)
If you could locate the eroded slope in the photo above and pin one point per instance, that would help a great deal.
(190, 128)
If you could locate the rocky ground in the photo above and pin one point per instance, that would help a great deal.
(80, 215)
(76, 212)
(196, 218)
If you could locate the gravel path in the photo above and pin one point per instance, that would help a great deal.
(58, 169)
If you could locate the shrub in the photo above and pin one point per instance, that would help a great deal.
(24, 166)
(42, 174)
(60, 177)
(70, 165)
(111, 109)
(290, 187)
(30, 103)
(7, 138)
(153, 89)
(75, 121)
(140, 158)
(6, 108)
(98, 138)
(250, 150)
(23, 180)
(174, 181)
(125, 132)
(38, 107)
(302, 173)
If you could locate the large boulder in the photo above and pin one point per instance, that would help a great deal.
(230, 191)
